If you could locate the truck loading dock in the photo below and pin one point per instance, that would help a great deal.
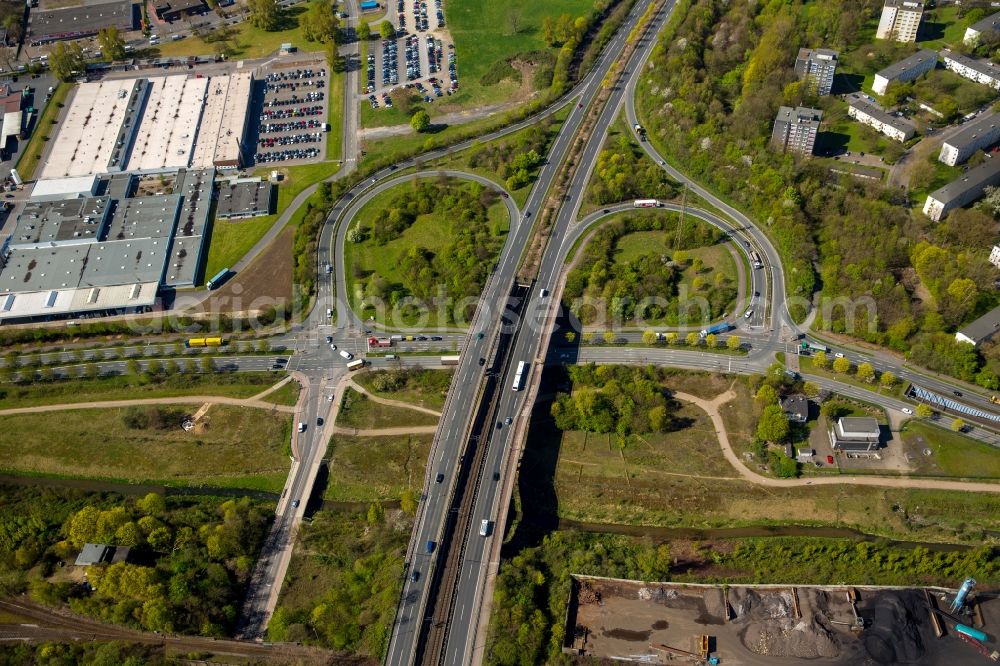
(772, 625)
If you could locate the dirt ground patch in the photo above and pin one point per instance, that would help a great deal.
(267, 281)
(763, 624)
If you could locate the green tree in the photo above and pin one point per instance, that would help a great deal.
(408, 502)
(766, 395)
(66, 62)
(319, 23)
(820, 360)
(692, 339)
(160, 539)
(128, 535)
(154, 366)
(420, 121)
(91, 370)
(337, 62)
(887, 380)
(733, 342)
(811, 389)
(710, 340)
(866, 372)
(649, 337)
(264, 14)
(609, 337)
(364, 31)
(672, 338)
(376, 515)
(152, 504)
(132, 367)
(387, 30)
(206, 364)
(924, 411)
(570, 336)
(111, 43)
(958, 425)
(773, 425)
(841, 365)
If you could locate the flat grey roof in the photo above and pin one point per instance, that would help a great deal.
(818, 54)
(184, 260)
(800, 114)
(861, 103)
(144, 217)
(88, 18)
(245, 199)
(984, 67)
(897, 69)
(988, 23)
(905, 4)
(60, 221)
(859, 426)
(984, 327)
(976, 178)
(972, 131)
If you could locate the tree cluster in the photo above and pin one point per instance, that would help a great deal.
(622, 285)
(461, 266)
(195, 554)
(319, 23)
(516, 159)
(614, 399)
(623, 172)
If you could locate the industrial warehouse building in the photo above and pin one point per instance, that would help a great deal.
(977, 135)
(102, 253)
(963, 190)
(152, 125)
(51, 25)
(905, 70)
(245, 199)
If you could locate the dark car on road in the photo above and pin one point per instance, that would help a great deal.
(439, 479)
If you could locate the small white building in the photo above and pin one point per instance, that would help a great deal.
(977, 135)
(963, 190)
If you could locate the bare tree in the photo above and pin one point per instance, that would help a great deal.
(514, 21)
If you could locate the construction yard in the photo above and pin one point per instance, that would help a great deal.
(664, 623)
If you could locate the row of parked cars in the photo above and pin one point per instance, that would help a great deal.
(284, 155)
(281, 114)
(293, 85)
(290, 139)
(272, 128)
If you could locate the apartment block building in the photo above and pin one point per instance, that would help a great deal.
(862, 109)
(795, 129)
(905, 70)
(980, 71)
(900, 20)
(977, 135)
(818, 67)
(963, 190)
(981, 27)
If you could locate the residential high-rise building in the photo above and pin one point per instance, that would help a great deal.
(900, 20)
(818, 67)
(795, 129)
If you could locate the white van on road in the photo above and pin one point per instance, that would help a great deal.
(346, 354)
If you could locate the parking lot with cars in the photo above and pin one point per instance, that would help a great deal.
(292, 125)
(415, 59)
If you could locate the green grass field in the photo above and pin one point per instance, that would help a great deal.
(334, 138)
(483, 36)
(365, 469)
(232, 239)
(230, 446)
(123, 387)
(358, 411)
(952, 454)
(286, 395)
(426, 388)
(32, 153)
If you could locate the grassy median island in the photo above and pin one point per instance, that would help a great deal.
(586, 471)
(237, 447)
(358, 411)
(426, 388)
(647, 254)
(129, 387)
(417, 249)
(368, 469)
